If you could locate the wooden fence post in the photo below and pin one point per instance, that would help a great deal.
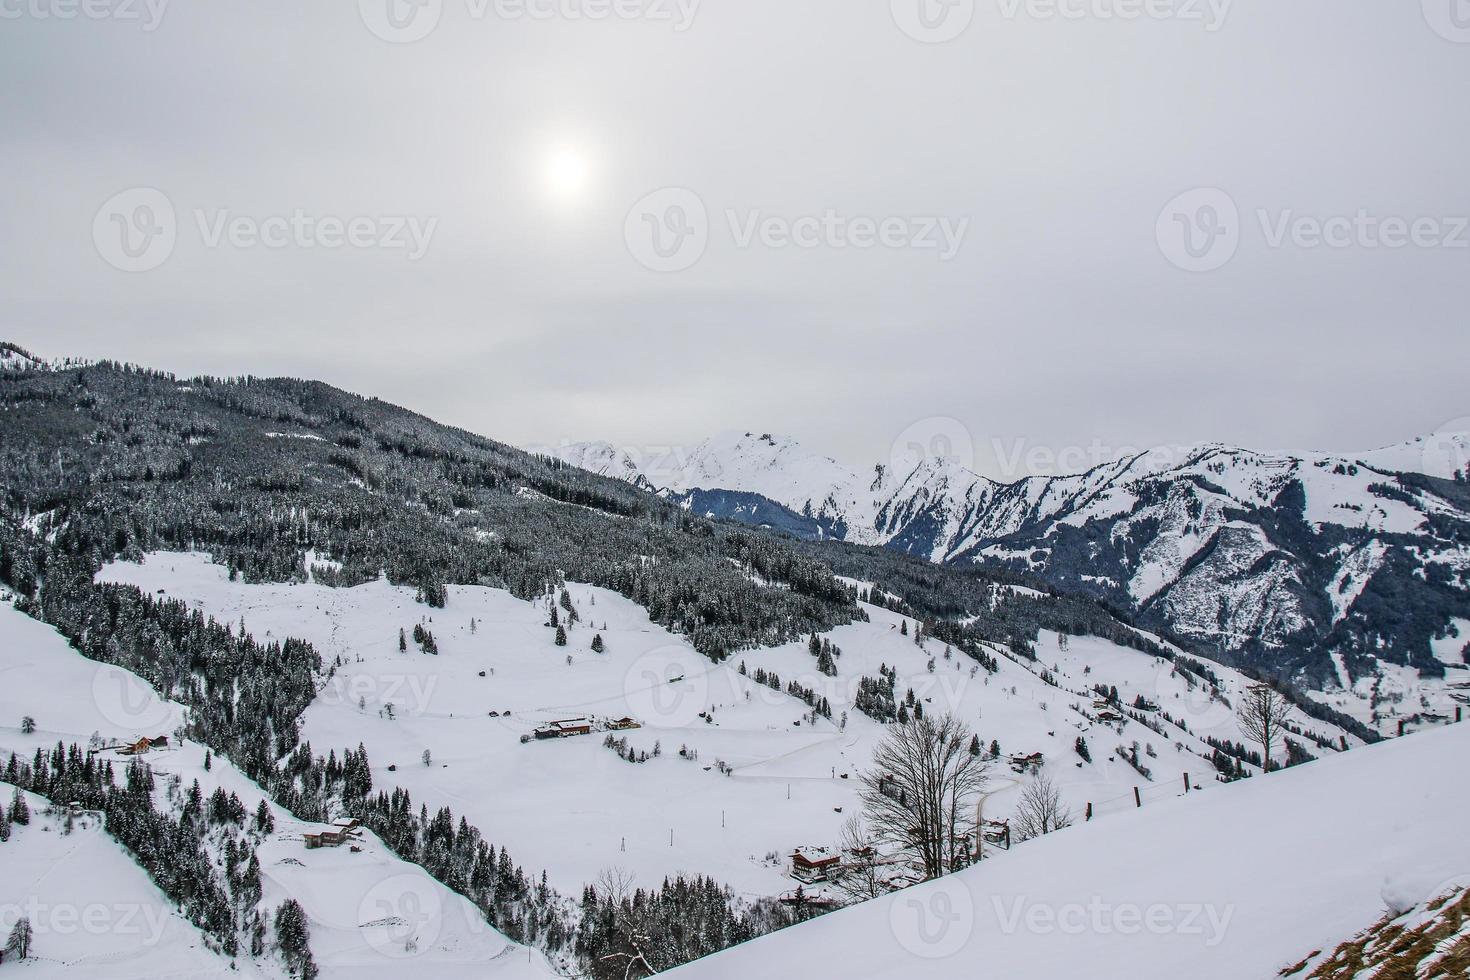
(1137, 797)
(1089, 812)
(1186, 782)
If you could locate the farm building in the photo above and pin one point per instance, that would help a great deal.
(339, 833)
(565, 729)
(623, 724)
(812, 864)
(144, 745)
(1023, 763)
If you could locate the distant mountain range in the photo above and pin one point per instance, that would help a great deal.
(1323, 567)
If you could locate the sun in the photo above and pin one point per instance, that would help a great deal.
(566, 174)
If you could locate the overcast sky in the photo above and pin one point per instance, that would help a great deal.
(996, 241)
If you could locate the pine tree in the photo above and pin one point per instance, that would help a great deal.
(597, 643)
(402, 641)
(264, 822)
(561, 636)
(20, 812)
(294, 939)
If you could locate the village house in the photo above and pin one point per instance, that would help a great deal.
(813, 864)
(565, 729)
(339, 833)
(144, 745)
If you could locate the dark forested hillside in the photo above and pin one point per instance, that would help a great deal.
(111, 460)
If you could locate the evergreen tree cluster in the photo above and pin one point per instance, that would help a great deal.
(172, 847)
(637, 934)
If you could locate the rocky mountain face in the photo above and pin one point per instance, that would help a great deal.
(1347, 574)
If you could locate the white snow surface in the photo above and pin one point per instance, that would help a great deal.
(361, 907)
(1229, 885)
(574, 807)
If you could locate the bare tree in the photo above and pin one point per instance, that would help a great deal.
(1262, 714)
(1040, 811)
(920, 794)
(861, 877)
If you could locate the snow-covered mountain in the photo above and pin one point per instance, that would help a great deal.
(1323, 567)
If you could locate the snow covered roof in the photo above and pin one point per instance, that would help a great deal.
(815, 855)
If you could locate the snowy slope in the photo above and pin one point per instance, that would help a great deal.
(94, 913)
(1164, 894)
(361, 907)
(575, 807)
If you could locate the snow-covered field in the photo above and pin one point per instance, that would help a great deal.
(1232, 885)
(362, 907)
(574, 807)
(93, 912)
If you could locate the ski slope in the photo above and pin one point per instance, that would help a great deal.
(1231, 885)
